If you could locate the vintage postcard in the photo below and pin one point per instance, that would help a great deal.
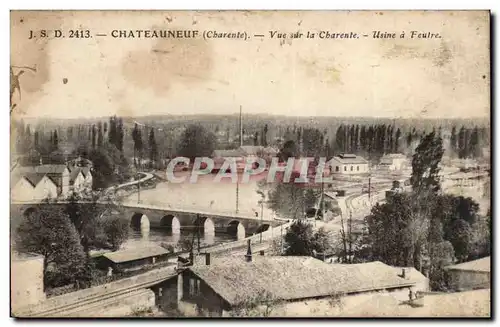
(250, 164)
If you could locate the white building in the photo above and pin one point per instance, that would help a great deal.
(48, 181)
(349, 164)
(393, 161)
(26, 283)
(470, 275)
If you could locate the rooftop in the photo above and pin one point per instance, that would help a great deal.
(135, 254)
(350, 158)
(482, 265)
(395, 156)
(294, 278)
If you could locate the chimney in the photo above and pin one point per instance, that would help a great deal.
(403, 273)
(248, 256)
(207, 259)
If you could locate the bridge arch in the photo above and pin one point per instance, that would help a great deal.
(205, 224)
(262, 228)
(172, 223)
(236, 228)
(139, 221)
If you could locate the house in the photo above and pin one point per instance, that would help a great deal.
(220, 156)
(224, 285)
(48, 181)
(393, 161)
(349, 164)
(40, 182)
(131, 259)
(470, 275)
(80, 178)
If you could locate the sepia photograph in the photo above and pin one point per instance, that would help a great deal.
(250, 164)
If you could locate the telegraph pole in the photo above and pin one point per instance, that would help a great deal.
(138, 193)
(369, 188)
(261, 214)
(237, 195)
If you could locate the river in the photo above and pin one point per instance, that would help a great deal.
(156, 236)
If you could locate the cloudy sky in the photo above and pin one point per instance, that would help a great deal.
(100, 76)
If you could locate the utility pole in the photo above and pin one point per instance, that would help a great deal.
(237, 195)
(138, 193)
(261, 214)
(198, 231)
(281, 238)
(369, 188)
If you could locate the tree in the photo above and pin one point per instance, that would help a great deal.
(312, 141)
(100, 137)
(55, 141)
(300, 240)
(95, 218)
(153, 149)
(462, 143)
(196, 141)
(94, 136)
(116, 230)
(264, 135)
(137, 138)
(425, 164)
(459, 233)
(397, 139)
(289, 150)
(453, 140)
(51, 234)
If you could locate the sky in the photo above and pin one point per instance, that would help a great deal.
(409, 78)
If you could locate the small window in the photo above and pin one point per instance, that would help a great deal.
(345, 168)
(352, 168)
(336, 168)
(357, 167)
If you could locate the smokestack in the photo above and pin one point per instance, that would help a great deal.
(207, 259)
(248, 256)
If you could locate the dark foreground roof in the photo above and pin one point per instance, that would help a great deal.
(135, 254)
(294, 278)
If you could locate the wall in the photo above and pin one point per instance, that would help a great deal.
(22, 191)
(123, 285)
(363, 168)
(45, 189)
(26, 282)
(465, 280)
(326, 307)
(65, 182)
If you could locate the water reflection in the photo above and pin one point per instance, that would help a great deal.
(141, 238)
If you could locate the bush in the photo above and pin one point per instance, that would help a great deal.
(116, 231)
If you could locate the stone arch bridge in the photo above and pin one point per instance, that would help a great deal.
(143, 217)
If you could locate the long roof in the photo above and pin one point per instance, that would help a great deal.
(482, 265)
(294, 278)
(135, 254)
(350, 159)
